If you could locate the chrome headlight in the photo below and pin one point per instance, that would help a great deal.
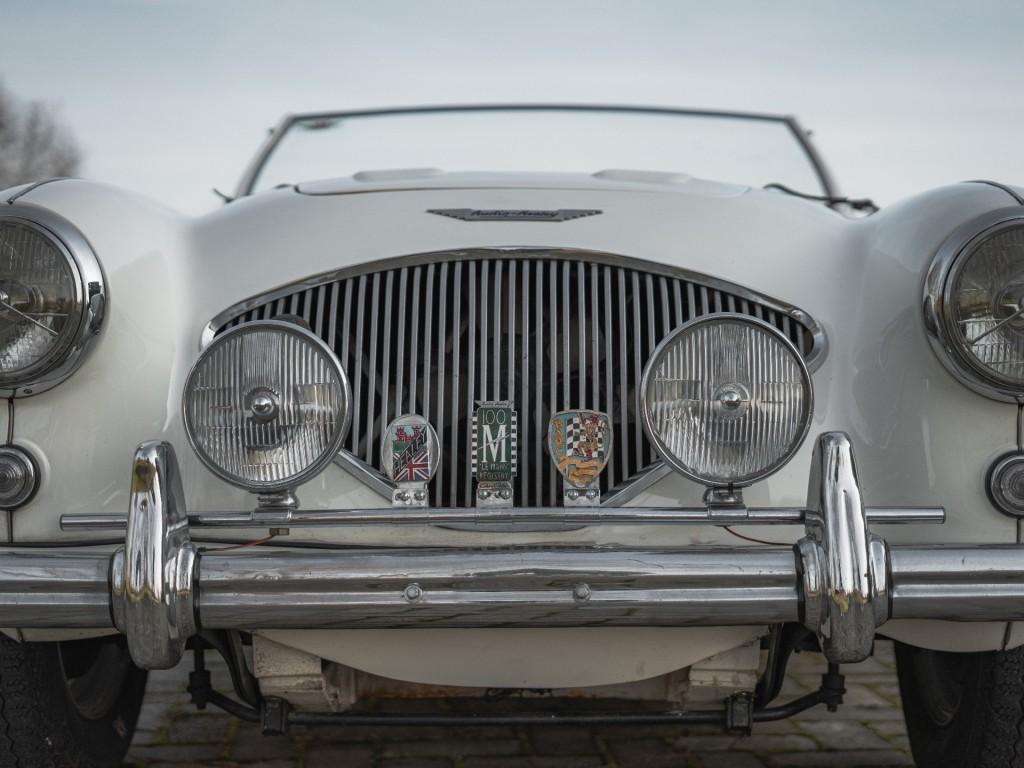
(267, 406)
(727, 400)
(51, 299)
(974, 305)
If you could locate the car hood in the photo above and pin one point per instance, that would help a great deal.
(434, 178)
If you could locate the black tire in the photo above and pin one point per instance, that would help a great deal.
(963, 709)
(67, 705)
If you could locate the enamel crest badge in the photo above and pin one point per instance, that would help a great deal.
(409, 457)
(580, 443)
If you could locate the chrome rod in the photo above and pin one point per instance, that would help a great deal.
(568, 516)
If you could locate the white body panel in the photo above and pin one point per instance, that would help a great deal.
(921, 438)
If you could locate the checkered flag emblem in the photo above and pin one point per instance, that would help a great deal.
(585, 437)
(579, 443)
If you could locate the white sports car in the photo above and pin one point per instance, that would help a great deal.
(377, 430)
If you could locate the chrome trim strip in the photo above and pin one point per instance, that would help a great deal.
(91, 298)
(35, 185)
(1007, 189)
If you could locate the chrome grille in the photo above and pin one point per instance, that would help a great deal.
(547, 330)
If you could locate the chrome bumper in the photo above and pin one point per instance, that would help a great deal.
(840, 580)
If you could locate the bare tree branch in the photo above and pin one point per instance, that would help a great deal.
(34, 144)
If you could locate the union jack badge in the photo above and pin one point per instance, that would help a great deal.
(495, 452)
(580, 443)
(409, 457)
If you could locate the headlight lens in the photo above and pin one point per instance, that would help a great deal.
(976, 295)
(44, 304)
(267, 406)
(727, 400)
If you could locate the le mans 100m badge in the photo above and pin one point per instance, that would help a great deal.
(580, 443)
(495, 438)
(409, 457)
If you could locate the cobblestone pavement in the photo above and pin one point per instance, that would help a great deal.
(867, 731)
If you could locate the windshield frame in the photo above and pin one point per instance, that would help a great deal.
(251, 175)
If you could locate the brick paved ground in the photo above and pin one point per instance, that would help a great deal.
(867, 731)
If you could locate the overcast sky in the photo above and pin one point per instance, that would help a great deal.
(171, 98)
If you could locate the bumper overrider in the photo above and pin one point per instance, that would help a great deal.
(840, 580)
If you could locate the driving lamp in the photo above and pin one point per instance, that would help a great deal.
(267, 406)
(974, 305)
(51, 299)
(727, 400)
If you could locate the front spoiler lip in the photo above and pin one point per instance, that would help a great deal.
(840, 580)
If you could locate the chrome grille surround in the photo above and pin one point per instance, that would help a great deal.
(406, 322)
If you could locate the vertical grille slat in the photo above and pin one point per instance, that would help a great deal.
(609, 357)
(456, 384)
(544, 331)
(553, 355)
(442, 358)
(638, 358)
(484, 369)
(473, 372)
(595, 342)
(581, 324)
(385, 379)
(566, 336)
(357, 373)
(414, 346)
(429, 336)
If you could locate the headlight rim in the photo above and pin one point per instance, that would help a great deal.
(949, 259)
(314, 468)
(91, 296)
(668, 457)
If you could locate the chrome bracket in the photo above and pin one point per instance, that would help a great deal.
(725, 505)
(589, 496)
(844, 566)
(494, 494)
(152, 590)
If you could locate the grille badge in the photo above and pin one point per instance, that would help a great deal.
(495, 452)
(514, 214)
(579, 443)
(410, 455)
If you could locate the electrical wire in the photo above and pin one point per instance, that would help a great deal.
(756, 541)
(857, 203)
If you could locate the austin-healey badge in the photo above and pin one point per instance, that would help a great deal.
(495, 452)
(580, 443)
(409, 457)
